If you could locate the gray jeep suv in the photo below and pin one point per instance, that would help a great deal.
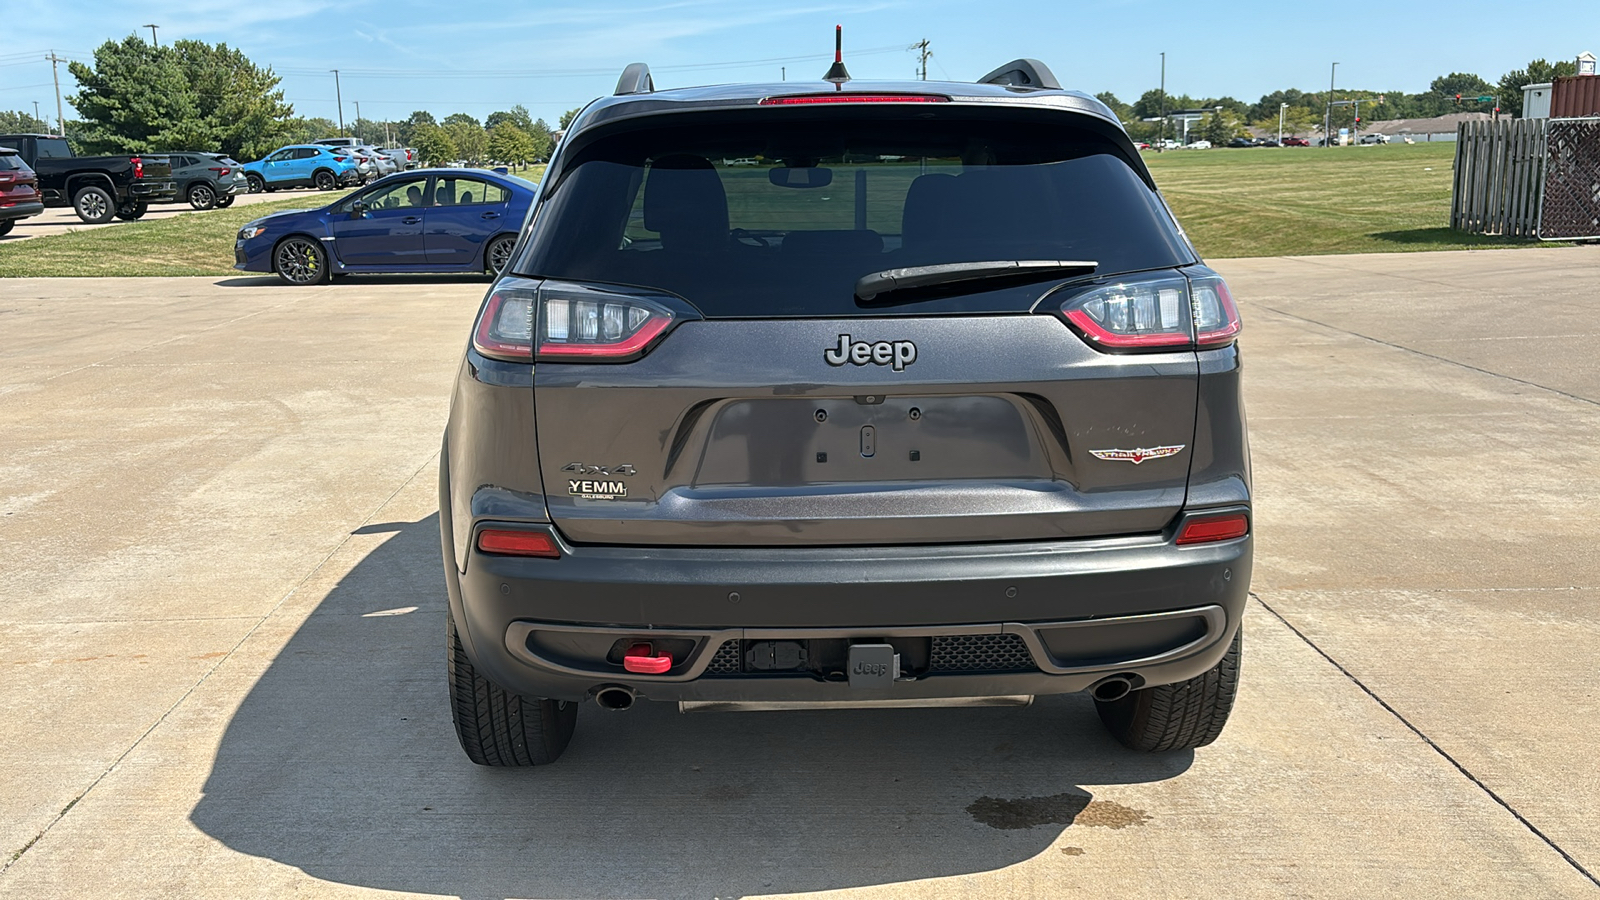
(933, 404)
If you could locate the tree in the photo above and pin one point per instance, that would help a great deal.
(242, 109)
(136, 98)
(518, 115)
(568, 116)
(1121, 110)
(1536, 72)
(304, 131)
(406, 131)
(471, 142)
(1218, 128)
(460, 119)
(433, 144)
(544, 140)
(20, 122)
(508, 143)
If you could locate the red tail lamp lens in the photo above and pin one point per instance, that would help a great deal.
(1216, 318)
(841, 97)
(518, 543)
(577, 324)
(138, 167)
(505, 328)
(1140, 315)
(1209, 529)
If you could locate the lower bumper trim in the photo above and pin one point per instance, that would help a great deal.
(1011, 700)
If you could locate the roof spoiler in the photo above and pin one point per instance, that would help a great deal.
(1028, 73)
(635, 80)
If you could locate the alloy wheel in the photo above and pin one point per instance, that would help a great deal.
(201, 196)
(299, 261)
(500, 254)
(92, 205)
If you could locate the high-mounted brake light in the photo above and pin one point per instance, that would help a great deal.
(810, 99)
(1210, 529)
(138, 167)
(507, 542)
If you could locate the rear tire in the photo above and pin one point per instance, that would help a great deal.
(6, 226)
(1179, 716)
(224, 202)
(498, 254)
(201, 196)
(497, 727)
(133, 211)
(94, 205)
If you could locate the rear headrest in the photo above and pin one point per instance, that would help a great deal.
(685, 203)
(929, 212)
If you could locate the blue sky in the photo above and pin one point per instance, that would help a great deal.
(397, 55)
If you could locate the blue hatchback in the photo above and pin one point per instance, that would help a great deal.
(304, 165)
(434, 220)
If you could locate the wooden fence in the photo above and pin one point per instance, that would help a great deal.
(1499, 175)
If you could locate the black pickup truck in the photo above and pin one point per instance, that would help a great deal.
(96, 187)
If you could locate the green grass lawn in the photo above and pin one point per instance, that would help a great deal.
(196, 243)
(1267, 201)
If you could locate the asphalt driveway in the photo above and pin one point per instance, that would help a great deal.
(221, 634)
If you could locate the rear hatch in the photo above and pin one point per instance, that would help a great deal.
(710, 370)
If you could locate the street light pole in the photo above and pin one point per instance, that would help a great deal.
(1327, 118)
(1163, 138)
(1281, 108)
(340, 98)
(152, 34)
(358, 120)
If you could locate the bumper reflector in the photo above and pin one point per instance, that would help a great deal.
(519, 543)
(1207, 529)
(641, 659)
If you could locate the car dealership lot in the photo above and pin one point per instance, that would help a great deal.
(223, 642)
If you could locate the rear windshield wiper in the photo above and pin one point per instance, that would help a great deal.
(964, 274)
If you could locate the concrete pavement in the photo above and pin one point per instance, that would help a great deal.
(222, 630)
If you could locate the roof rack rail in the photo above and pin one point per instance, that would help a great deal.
(635, 80)
(1029, 73)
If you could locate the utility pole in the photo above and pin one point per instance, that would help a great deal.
(783, 73)
(340, 97)
(358, 121)
(1162, 140)
(1281, 108)
(55, 74)
(152, 34)
(36, 113)
(1327, 117)
(922, 57)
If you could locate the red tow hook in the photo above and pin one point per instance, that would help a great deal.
(641, 658)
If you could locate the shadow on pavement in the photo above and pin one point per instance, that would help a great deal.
(342, 762)
(1448, 237)
(262, 280)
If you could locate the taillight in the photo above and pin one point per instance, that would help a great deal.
(1209, 529)
(138, 167)
(338, 159)
(507, 542)
(1167, 313)
(566, 322)
(582, 324)
(222, 172)
(1216, 318)
(842, 97)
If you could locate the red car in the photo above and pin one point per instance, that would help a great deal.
(1296, 142)
(19, 190)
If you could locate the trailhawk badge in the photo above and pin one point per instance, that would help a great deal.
(1139, 455)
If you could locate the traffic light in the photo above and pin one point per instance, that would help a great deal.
(1458, 99)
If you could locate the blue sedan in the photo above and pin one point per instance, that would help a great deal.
(433, 220)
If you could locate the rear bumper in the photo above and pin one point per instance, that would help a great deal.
(153, 190)
(975, 620)
(21, 210)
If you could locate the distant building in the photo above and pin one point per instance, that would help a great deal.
(1438, 128)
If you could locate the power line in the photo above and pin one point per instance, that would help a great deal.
(572, 73)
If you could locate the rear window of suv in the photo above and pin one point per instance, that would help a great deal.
(762, 214)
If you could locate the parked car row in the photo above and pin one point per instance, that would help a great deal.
(98, 188)
(19, 190)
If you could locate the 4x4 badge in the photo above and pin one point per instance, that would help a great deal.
(1139, 455)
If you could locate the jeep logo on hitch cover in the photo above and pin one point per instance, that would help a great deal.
(895, 354)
